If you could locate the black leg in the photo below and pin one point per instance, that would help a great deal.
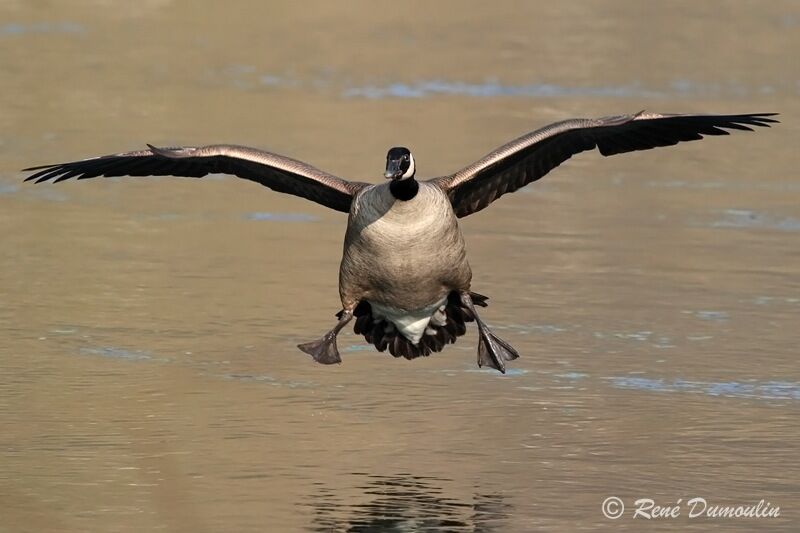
(492, 350)
(324, 350)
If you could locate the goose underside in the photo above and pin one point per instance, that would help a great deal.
(384, 335)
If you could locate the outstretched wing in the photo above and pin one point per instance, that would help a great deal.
(277, 172)
(531, 156)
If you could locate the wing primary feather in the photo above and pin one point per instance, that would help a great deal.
(274, 171)
(67, 175)
(45, 175)
(532, 156)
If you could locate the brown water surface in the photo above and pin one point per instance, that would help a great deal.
(149, 376)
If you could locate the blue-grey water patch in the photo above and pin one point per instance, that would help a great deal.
(119, 353)
(359, 348)
(8, 188)
(684, 184)
(51, 194)
(654, 339)
(694, 88)
(327, 80)
(136, 356)
(663, 342)
(510, 372)
(772, 300)
(572, 376)
(762, 390)
(492, 88)
(64, 330)
(281, 217)
(720, 184)
(636, 335)
(169, 216)
(271, 80)
(16, 28)
(699, 338)
(789, 21)
(746, 218)
(710, 315)
(269, 380)
(526, 329)
(641, 336)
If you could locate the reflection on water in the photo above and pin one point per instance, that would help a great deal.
(405, 503)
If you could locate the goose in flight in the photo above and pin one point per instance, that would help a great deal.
(404, 274)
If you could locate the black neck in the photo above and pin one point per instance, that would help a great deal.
(404, 189)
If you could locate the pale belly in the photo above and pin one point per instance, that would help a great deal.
(411, 324)
(404, 258)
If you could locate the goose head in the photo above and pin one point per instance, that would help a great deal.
(399, 164)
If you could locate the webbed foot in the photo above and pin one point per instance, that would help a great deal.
(324, 350)
(492, 350)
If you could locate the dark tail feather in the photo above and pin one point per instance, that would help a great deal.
(383, 336)
(479, 299)
(363, 324)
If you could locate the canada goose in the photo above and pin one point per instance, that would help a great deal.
(404, 274)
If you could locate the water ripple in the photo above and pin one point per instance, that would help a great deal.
(421, 89)
(16, 28)
(119, 353)
(247, 77)
(745, 218)
(764, 390)
(281, 217)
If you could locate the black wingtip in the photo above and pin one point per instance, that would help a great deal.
(37, 167)
(761, 119)
(40, 171)
(770, 120)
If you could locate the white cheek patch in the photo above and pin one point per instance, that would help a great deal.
(410, 172)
